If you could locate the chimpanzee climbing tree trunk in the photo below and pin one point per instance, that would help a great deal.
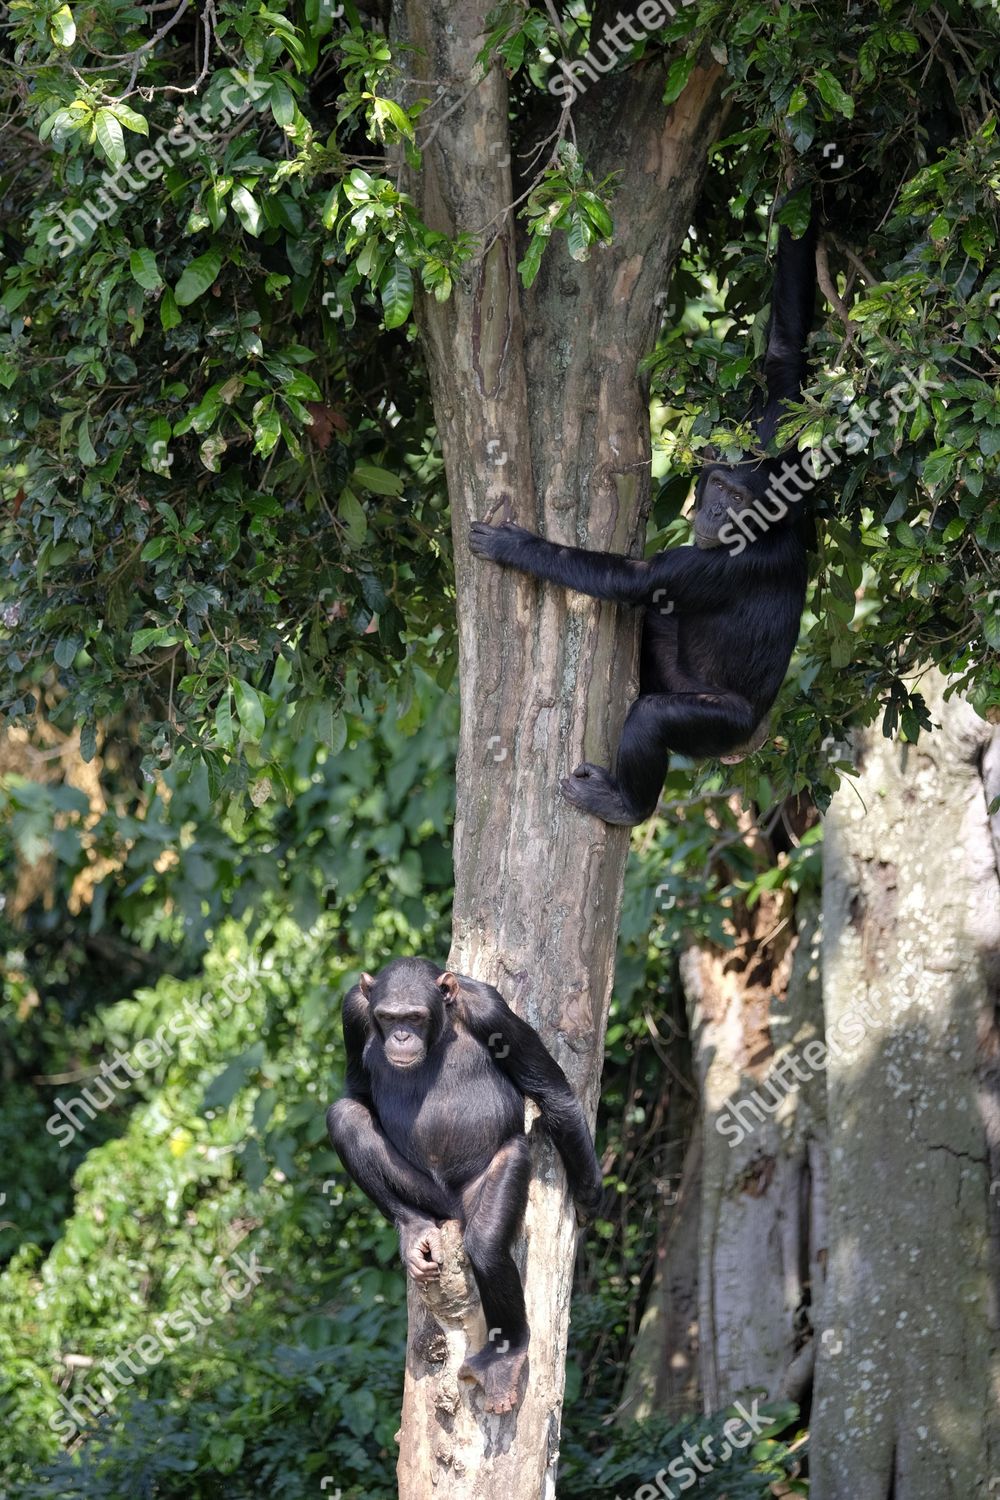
(543, 417)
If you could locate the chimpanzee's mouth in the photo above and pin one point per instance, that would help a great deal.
(403, 1059)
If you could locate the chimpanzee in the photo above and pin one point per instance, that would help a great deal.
(432, 1128)
(722, 617)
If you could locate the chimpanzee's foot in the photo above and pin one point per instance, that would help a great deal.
(501, 1376)
(594, 790)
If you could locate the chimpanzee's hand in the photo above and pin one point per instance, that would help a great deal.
(422, 1253)
(501, 544)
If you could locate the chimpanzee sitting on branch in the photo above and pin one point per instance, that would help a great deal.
(432, 1128)
(720, 625)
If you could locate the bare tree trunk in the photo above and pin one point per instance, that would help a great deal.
(754, 1010)
(908, 1380)
(730, 1308)
(663, 1364)
(556, 428)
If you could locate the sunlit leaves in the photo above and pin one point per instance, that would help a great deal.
(266, 426)
(62, 27)
(247, 210)
(564, 200)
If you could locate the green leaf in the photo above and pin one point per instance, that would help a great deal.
(378, 481)
(351, 512)
(249, 709)
(142, 264)
(197, 278)
(988, 533)
(62, 27)
(397, 295)
(832, 94)
(158, 635)
(247, 210)
(110, 137)
(528, 267)
(212, 450)
(223, 1089)
(598, 214)
(225, 729)
(225, 1450)
(680, 71)
(579, 237)
(169, 314)
(84, 446)
(131, 119)
(329, 725)
(267, 426)
(282, 104)
(796, 212)
(387, 111)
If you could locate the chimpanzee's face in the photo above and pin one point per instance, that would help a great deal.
(407, 1026)
(408, 1002)
(719, 494)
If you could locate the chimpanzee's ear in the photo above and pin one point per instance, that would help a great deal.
(447, 983)
(367, 984)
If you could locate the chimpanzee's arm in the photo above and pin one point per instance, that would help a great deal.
(793, 302)
(402, 1192)
(518, 1050)
(603, 575)
(356, 1016)
(690, 579)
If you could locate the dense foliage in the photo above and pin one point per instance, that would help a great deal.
(217, 1150)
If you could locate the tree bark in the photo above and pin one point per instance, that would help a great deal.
(552, 430)
(754, 1009)
(908, 1381)
(741, 1257)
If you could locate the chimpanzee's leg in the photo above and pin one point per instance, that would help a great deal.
(696, 724)
(407, 1196)
(495, 1204)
